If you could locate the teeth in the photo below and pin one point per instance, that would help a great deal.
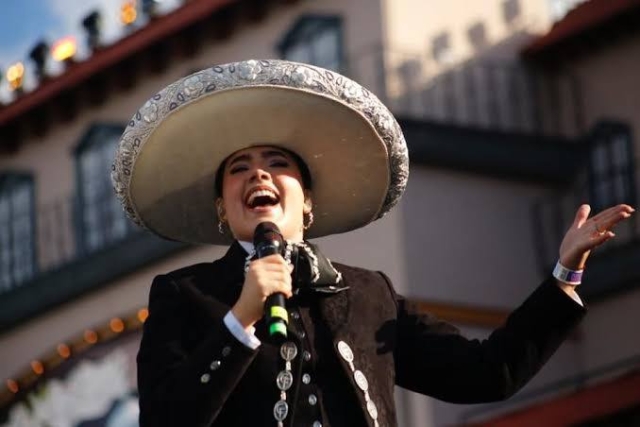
(261, 193)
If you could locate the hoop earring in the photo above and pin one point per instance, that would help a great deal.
(221, 220)
(220, 226)
(309, 221)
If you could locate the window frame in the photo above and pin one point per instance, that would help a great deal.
(605, 170)
(10, 179)
(87, 142)
(302, 31)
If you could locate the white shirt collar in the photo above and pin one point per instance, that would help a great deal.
(247, 246)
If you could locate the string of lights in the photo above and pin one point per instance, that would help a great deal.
(64, 49)
(64, 352)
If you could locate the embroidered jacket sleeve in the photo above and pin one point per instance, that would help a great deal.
(179, 386)
(431, 357)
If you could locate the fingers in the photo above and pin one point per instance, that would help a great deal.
(586, 234)
(264, 277)
(581, 215)
(609, 218)
(271, 274)
(601, 238)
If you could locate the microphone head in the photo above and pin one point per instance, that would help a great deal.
(267, 239)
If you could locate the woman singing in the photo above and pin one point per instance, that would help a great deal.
(214, 155)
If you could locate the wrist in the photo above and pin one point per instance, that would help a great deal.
(566, 275)
(575, 263)
(244, 320)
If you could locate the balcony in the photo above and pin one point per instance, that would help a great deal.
(77, 248)
(499, 119)
(500, 96)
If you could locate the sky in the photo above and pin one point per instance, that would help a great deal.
(23, 23)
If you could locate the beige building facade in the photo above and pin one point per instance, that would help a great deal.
(465, 239)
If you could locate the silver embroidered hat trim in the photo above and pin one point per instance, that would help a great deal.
(254, 74)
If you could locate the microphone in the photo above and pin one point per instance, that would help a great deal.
(267, 240)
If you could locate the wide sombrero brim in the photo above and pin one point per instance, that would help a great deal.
(167, 160)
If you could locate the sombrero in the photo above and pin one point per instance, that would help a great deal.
(167, 158)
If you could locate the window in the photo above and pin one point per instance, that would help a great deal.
(315, 40)
(101, 220)
(611, 166)
(17, 241)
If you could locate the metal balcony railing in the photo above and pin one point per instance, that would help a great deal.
(66, 231)
(500, 96)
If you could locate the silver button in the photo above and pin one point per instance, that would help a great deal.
(317, 424)
(226, 351)
(215, 365)
(284, 380)
(313, 399)
(306, 356)
(345, 351)
(361, 380)
(280, 410)
(295, 315)
(371, 408)
(303, 334)
(306, 378)
(288, 351)
(205, 378)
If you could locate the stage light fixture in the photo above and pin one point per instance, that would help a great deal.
(64, 49)
(128, 12)
(150, 8)
(39, 55)
(15, 76)
(92, 24)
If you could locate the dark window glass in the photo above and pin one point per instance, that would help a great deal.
(17, 241)
(611, 166)
(101, 218)
(315, 40)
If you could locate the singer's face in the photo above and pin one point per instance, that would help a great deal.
(263, 184)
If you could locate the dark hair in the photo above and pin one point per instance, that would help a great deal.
(304, 171)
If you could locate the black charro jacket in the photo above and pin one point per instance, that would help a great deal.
(391, 342)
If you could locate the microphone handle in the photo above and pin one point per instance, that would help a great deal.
(276, 314)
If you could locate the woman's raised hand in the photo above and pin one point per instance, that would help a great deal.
(587, 233)
(264, 277)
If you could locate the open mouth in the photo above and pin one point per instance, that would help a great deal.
(261, 197)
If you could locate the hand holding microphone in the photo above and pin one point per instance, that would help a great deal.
(267, 282)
